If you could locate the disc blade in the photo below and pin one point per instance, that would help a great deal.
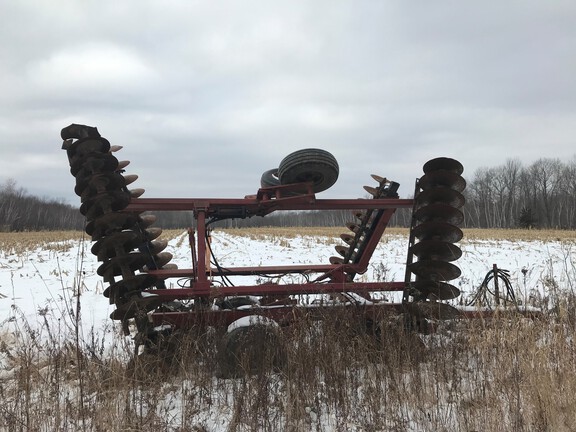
(162, 258)
(434, 270)
(134, 305)
(443, 163)
(137, 283)
(371, 190)
(147, 220)
(122, 265)
(353, 227)
(153, 233)
(336, 260)
(158, 246)
(98, 183)
(438, 290)
(95, 163)
(137, 193)
(118, 243)
(111, 222)
(130, 178)
(442, 178)
(438, 231)
(342, 250)
(439, 213)
(440, 195)
(436, 250)
(433, 310)
(347, 238)
(85, 146)
(104, 203)
(123, 164)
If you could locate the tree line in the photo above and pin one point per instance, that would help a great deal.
(541, 195)
(20, 211)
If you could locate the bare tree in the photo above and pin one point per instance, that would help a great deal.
(546, 175)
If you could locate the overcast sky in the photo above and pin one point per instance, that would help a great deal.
(205, 96)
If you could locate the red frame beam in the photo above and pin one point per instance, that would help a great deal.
(255, 207)
(282, 315)
(171, 294)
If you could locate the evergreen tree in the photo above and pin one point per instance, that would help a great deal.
(527, 218)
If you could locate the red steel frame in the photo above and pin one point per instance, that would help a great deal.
(332, 278)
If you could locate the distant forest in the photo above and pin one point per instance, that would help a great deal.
(20, 211)
(542, 195)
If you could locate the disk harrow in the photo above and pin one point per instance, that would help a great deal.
(136, 267)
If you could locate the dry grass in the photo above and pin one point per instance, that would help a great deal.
(291, 232)
(21, 242)
(469, 233)
(519, 234)
(25, 241)
(504, 374)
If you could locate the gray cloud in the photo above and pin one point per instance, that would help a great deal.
(205, 96)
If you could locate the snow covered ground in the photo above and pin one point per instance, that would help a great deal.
(40, 284)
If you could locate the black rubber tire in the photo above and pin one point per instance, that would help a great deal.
(235, 302)
(250, 350)
(309, 165)
(270, 178)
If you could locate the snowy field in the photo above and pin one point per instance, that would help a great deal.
(37, 289)
(40, 284)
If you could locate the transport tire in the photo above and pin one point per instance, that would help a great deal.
(309, 165)
(270, 178)
(252, 345)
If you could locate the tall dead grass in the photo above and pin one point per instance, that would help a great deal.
(502, 374)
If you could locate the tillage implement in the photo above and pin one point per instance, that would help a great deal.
(136, 267)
